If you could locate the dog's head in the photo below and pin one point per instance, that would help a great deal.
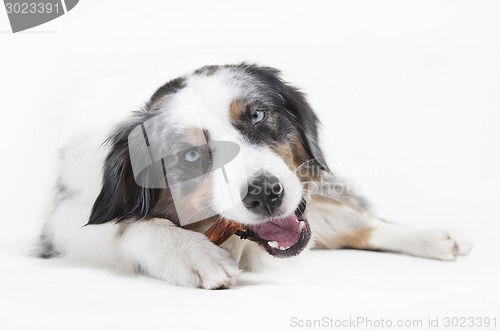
(229, 141)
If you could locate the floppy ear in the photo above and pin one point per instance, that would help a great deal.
(121, 197)
(301, 112)
(307, 123)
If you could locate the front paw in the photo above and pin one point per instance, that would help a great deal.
(211, 267)
(190, 259)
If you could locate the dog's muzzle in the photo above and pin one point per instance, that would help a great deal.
(281, 237)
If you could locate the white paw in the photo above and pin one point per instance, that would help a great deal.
(441, 244)
(211, 267)
(464, 244)
(179, 256)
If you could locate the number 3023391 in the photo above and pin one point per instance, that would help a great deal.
(478, 322)
(32, 8)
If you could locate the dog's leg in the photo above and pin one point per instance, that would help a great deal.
(335, 224)
(156, 247)
(179, 256)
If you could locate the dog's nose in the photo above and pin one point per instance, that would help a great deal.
(265, 194)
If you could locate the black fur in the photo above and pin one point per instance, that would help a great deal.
(294, 104)
(168, 88)
(46, 249)
(121, 197)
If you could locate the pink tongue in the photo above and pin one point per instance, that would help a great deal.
(286, 231)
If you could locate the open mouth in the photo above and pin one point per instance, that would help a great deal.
(281, 237)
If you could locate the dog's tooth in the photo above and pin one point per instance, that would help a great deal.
(273, 244)
(301, 225)
(283, 248)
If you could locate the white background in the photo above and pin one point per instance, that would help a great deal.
(408, 93)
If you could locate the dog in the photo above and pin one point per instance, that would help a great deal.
(230, 141)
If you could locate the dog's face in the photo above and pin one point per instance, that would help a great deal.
(226, 141)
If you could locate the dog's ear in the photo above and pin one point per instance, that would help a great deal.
(121, 197)
(300, 111)
(306, 123)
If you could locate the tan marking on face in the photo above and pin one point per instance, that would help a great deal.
(195, 200)
(358, 238)
(196, 203)
(295, 156)
(164, 207)
(236, 109)
(300, 153)
(285, 151)
(306, 170)
(195, 136)
(198, 198)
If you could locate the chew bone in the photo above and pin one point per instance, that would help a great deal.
(222, 229)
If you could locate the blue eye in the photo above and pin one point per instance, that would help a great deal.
(258, 116)
(192, 156)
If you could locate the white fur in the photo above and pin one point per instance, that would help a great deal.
(186, 257)
(159, 249)
(328, 223)
(430, 243)
(156, 247)
(179, 256)
(204, 103)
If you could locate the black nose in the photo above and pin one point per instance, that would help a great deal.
(265, 194)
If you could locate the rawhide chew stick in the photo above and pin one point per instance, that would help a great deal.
(222, 229)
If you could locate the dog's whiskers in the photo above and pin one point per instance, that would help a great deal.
(304, 163)
(204, 198)
(196, 212)
(332, 198)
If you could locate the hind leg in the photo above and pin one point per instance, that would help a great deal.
(338, 225)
